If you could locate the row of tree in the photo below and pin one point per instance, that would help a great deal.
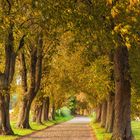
(110, 28)
(27, 38)
(62, 48)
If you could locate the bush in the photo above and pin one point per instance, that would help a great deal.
(65, 112)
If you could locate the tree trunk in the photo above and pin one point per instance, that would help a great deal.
(28, 95)
(82, 112)
(45, 111)
(122, 123)
(53, 112)
(39, 114)
(35, 79)
(78, 111)
(111, 98)
(98, 113)
(110, 113)
(34, 117)
(24, 113)
(34, 112)
(6, 79)
(5, 116)
(103, 114)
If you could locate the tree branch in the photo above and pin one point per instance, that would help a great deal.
(9, 6)
(21, 44)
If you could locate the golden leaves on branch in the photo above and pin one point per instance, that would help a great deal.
(109, 2)
(114, 12)
(133, 2)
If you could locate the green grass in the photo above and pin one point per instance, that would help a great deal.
(102, 135)
(34, 126)
(136, 129)
(100, 132)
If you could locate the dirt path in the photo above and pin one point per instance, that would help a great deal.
(76, 129)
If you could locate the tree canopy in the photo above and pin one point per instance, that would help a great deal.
(83, 54)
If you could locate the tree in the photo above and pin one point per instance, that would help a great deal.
(10, 51)
(35, 80)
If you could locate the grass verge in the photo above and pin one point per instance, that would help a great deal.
(102, 135)
(100, 132)
(34, 126)
(136, 129)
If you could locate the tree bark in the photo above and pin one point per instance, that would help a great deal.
(34, 114)
(98, 113)
(110, 113)
(6, 79)
(35, 80)
(111, 98)
(5, 128)
(122, 123)
(23, 120)
(103, 114)
(53, 112)
(39, 114)
(45, 111)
